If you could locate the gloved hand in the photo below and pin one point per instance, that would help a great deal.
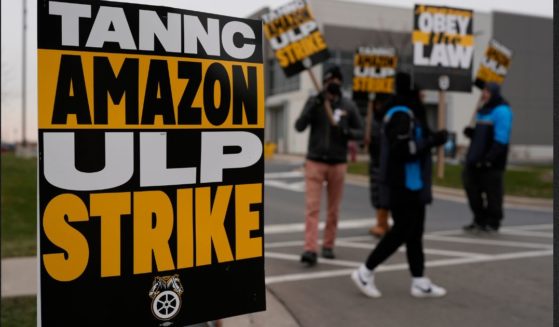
(468, 132)
(343, 125)
(319, 99)
(439, 138)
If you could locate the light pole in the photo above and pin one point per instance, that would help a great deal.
(23, 76)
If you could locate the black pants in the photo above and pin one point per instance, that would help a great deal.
(408, 213)
(484, 189)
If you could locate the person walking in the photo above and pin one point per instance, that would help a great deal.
(333, 120)
(486, 160)
(375, 113)
(405, 170)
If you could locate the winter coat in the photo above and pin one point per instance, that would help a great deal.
(328, 143)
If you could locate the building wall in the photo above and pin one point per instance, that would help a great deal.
(347, 25)
(529, 84)
(461, 106)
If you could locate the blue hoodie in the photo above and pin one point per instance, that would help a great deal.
(491, 136)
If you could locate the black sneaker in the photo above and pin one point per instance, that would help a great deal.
(473, 228)
(328, 253)
(490, 229)
(309, 258)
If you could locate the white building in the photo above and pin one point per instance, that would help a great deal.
(348, 25)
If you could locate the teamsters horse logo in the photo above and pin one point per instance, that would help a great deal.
(166, 294)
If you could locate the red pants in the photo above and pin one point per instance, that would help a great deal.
(316, 173)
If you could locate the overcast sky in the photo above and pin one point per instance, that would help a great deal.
(12, 42)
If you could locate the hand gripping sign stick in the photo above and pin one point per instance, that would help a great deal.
(327, 106)
(369, 119)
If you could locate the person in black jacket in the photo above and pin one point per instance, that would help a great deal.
(333, 120)
(486, 160)
(405, 170)
(372, 140)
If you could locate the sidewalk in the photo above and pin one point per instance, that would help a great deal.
(19, 278)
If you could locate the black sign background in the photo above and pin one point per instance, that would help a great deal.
(427, 77)
(210, 292)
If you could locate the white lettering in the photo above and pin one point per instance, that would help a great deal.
(228, 34)
(153, 163)
(60, 169)
(151, 26)
(70, 14)
(463, 23)
(214, 161)
(194, 31)
(107, 18)
(460, 56)
(418, 58)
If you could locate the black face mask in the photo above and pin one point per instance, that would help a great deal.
(334, 88)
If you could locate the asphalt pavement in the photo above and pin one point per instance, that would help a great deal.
(492, 280)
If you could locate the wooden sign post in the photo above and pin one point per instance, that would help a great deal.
(443, 56)
(441, 124)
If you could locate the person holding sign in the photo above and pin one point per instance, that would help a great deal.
(406, 172)
(374, 70)
(486, 160)
(326, 158)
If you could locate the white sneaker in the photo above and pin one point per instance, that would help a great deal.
(423, 287)
(365, 282)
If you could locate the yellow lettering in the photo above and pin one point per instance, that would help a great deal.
(110, 207)
(247, 221)
(150, 206)
(71, 264)
(209, 225)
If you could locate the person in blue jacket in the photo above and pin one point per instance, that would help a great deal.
(405, 174)
(486, 160)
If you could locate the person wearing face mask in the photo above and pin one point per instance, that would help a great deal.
(486, 160)
(333, 120)
(405, 173)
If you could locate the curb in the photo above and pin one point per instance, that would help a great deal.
(517, 202)
(459, 195)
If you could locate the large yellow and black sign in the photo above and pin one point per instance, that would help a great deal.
(294, 37)
(495, 64)
(374, 70)
(443, 48)
(150, 165)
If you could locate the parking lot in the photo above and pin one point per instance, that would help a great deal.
(502, 279)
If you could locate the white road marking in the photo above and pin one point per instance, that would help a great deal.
(395, 267)
(300, 227)
(533, 227)
(481, 241)
(284, 174)
(425, 250)
(509, 231)
(271, 179)
(275, 245)
(294, 257)
(370, 246)
(295, 187)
